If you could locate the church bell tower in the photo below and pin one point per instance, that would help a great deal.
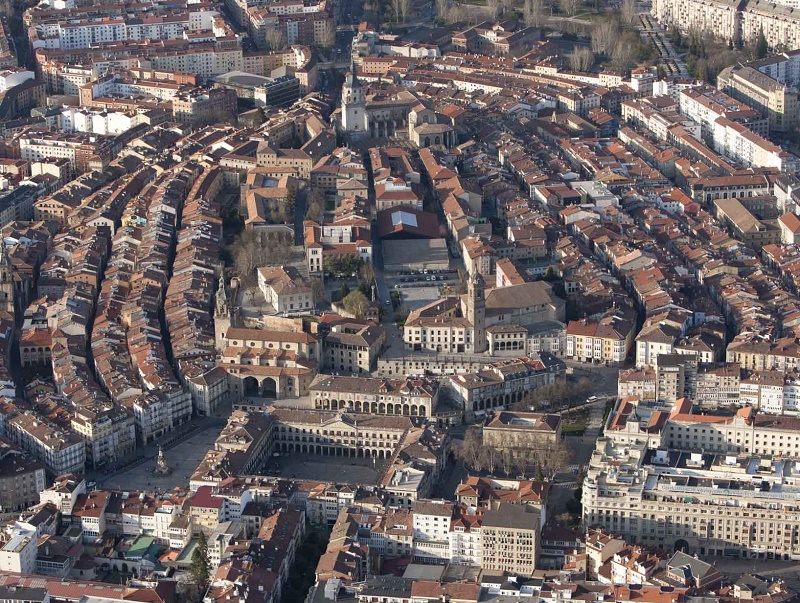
(354, 106)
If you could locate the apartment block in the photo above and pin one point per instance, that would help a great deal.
(198, 106)
(718, 384)
(511, 539)
(84, 152)
(705, 105)
(353, 347)
(746, 432)
(701, 502)
(741, 144)
(21, 478)
(605, 341)
(775, 99)
(60, 452)
(732, 21)
(676, 377)
(18, 550)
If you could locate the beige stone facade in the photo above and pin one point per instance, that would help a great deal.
(409, 397)
(522, 430)
(338, 434)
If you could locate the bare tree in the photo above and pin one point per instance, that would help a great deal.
(366, 274)
(495, 8)
(472, 14)
(507, 6)
(470, 450)
(443, 8)
(558, 395)
(317, 289)
(605, 36)
(507, 459)
(401, 8)
(253, 249)
(533, 13)
(488, 455)
(569, 7)
(523, 453)
(328, 38)
(456, 13)
(581, 58)
(279, 248)
(275, 39)
(247, 256)
(624, 54)
(628, 11)
(405, 9)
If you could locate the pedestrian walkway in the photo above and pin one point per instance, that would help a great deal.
(595, 422)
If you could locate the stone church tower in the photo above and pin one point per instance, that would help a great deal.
(354, 107)
(476, 312)
(222, 315)
(6, 282)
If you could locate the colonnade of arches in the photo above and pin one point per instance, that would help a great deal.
(376, 408)
(265, 388)
(491, 402)
(331, 450)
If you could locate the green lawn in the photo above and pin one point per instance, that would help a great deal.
(589, 17)
(574, 423)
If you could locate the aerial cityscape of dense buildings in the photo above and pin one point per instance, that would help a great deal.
(399, 302)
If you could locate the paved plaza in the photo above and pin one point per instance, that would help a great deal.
(326, 468)
(183, 458)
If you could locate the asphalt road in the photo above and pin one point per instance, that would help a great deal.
(348, 12)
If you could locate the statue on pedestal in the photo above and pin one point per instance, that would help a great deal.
(161, 465)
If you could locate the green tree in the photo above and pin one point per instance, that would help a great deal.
(290, 203)
(344, 291)
(675, 35)
(762, 47)
(200, 567)
(314, 211)
(316, 195)
(342, 265)
(579, 480)
(356, 303)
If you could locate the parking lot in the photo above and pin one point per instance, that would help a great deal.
(420, 288)
(418, 297)
(406, 280)
(327, 468)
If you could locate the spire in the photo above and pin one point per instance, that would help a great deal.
(352, 80)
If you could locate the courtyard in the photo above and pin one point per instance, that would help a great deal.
(366, 471)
